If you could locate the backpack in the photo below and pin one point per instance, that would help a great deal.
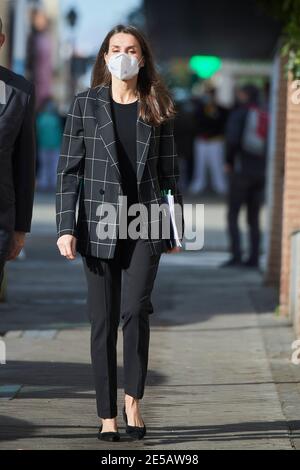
(255, 132)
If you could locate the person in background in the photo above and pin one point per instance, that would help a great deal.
(185, 132)
(246, 145)
(210, 120)
(49, 138)
(17, 161)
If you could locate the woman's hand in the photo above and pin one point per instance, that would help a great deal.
(227, 168)
(67, 246)
(176, 249)
(17, 243)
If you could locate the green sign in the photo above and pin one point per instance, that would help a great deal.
(205, 66)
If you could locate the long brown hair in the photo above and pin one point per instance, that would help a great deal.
(156, 102)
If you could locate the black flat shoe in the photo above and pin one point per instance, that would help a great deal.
(232, 263)
(111, 436)
(134, 432)
(249, 263)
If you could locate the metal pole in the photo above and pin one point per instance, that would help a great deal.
(294, 309)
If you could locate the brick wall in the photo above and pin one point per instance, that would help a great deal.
(291, 195)
(276, 180)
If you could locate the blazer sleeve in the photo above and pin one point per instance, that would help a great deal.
(24, 164)
(70, 170)
(169, 170)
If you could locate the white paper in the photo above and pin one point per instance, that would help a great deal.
(170, 199)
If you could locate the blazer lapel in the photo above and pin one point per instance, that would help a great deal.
(143, 134)
(106, 127)
(107, 131)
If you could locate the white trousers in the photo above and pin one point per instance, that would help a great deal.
(208, 155)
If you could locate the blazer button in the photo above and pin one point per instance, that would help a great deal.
(101, 191)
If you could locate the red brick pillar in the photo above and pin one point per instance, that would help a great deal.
(276, 174)
(291, 194)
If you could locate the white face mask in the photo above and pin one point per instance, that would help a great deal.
(123, 66)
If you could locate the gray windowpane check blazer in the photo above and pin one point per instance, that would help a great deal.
(88, 173)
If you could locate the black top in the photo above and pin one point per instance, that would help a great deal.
(125, 117)
(210, 120)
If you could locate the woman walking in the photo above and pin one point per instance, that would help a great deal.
(118, 142)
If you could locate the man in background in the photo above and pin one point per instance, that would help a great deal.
(17, 161)
(246, 149)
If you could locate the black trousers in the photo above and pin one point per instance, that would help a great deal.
(5, 241)
(117, 287)
(245, 189)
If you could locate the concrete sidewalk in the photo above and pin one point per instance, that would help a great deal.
(220, 373)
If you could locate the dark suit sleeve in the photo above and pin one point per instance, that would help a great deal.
(70, 171)
(233, 134)
(24, 164)
(169, 170)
